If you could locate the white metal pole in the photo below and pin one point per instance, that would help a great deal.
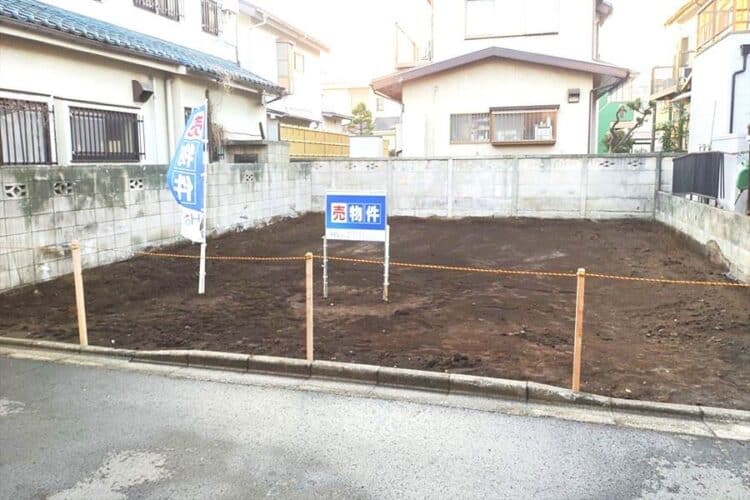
(325, 267)
(202, 269)
(386, 261)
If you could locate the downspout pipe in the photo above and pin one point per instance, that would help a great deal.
(745, 50)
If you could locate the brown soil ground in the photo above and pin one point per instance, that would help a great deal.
(674, 343)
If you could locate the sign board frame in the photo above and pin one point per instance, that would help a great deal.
(357, 216)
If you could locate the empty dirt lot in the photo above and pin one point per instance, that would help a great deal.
(674, 343)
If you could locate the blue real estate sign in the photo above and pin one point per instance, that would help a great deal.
(356, 217)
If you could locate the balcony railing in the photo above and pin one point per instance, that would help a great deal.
(166, 8)
(211, 16)
(720, 17)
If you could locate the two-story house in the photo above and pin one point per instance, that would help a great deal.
(717, 36)
(712, 76)
(506, 77)
(277, 51)
(112, 81)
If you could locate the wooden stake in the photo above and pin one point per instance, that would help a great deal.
(578, 340)
(83, 334)
(309, 304)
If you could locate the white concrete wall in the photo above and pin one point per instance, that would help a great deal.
(116, 210)
(257, 50)
(711, 95)
(429, 102)
(187, 31)
(67, 78)
(365, 146)
(543, 186)
(572, 22)
(712, 228)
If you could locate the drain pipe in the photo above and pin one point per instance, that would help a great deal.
(745, 50)
(170, 116)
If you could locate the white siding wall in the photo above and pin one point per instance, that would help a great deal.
(429, 102)
(711, 95)
(257, 50)
(575, 23)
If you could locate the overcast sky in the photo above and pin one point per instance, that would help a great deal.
(633, 37)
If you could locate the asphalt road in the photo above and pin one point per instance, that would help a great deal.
(72, 431)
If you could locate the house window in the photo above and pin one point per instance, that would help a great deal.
(470, 128)
(109, 136)
(379, 105)
(166, 8)
(503, 18)
(299, 62)
(284, 61)
(24, 133)
(187, 111)
(210, 13)
(529, 125)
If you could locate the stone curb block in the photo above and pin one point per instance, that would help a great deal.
(483, 386)
(283, 366)
(397, 377)
(172, 357)
(653, 408)
(218, 360)
(724, 414)
(345, 371)
(551, 394)
(108, 351)
(41, 344)
(415, 379)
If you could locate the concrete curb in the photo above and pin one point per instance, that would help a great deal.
(393, 377)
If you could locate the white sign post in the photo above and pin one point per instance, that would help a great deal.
(357, 217)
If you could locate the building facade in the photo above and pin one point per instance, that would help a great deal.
(505, 78)
(717, 33)
(277, 51)
(113, 81)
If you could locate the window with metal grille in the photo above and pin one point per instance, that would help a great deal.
(166, 8)
(470, 128)
(210, 13)
(24, 133)
(526, 125)
(109, 136)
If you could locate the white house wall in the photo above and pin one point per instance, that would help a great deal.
(711, 96)
(574, 37)
(69, 77)
(257, 53)
(429, 102)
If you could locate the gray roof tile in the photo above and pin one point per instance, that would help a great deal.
(35, 13)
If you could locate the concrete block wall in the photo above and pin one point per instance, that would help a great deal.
(713, 228)
(543, 186)
(115, 210)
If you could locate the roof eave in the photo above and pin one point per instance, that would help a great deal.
(171, 65)
(281, 25)
(391, 85)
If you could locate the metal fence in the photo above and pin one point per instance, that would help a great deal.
(101, 135)
(167, 8)
(25, 133)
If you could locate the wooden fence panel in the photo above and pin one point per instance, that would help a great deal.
(308, 143)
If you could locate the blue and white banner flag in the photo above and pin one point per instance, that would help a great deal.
(186, 176)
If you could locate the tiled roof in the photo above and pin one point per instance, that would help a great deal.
(33, 13)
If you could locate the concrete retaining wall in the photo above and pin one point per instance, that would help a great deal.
(115, 210)
(714, 228)
(544, 186)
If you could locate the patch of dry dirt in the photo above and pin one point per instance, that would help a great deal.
(657, 342)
